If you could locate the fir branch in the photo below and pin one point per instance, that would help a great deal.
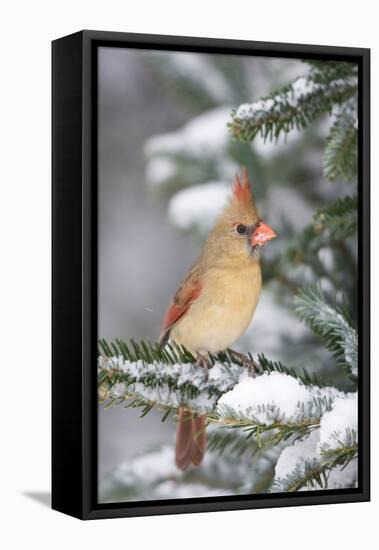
(295, 106)
(331, 226)
(240, 436)
(327, 71)
(127, 377)
(171, 376)
(147, 352)
(320, 458)
(339, 218)
(332, 325)
(314, 473)
(235, 441)
(169, 381)
(123, 365)
(343, 450)
(236, 426)
(341, 456)
(172, 353)
(230, 420)
(250, 431)
(314, 476)
(304, 246)
(267, 365)
(341, 151)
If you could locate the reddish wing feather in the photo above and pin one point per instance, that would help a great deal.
(182, 301)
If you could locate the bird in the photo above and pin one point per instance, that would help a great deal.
(217, 299)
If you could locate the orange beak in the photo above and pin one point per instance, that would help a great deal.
(262, 235)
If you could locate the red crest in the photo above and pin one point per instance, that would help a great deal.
(242, 189)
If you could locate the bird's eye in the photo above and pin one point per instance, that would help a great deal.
(241, 229)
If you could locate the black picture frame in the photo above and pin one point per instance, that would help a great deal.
(74, 332)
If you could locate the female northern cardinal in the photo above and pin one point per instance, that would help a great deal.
(217, 299)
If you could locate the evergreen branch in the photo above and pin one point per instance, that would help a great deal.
(169, 381)
(249, 430)
(331, 226)
(341, 151)
(265, 415)
(128, 379)
(325, 457)
(267, 365)
(304, 246)
(332, 325)
(295, 106)
(341, 456)
(314, 477)
(146, 376)
(327, 71)
(235, 441)
(238, 425)
(338, 218)
(245, 436)
(171, 354)
(230, 420)
(314, 473)
(343, 450)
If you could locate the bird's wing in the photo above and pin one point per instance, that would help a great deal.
(186, 295)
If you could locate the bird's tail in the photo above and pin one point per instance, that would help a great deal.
(191, 439)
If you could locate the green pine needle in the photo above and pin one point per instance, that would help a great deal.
(341, 151)
(289, 109)
(339, 218)
(332, 325)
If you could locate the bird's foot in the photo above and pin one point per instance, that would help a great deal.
(252, 366)
(202, 361)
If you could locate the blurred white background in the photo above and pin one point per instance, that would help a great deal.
(25, 290)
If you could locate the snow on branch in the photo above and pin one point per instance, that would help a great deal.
(325, 459)
(332, 325)
(275, 401)
(165, 385)
(292, 107)
(341, 151)
(276, 398)
(312, 429)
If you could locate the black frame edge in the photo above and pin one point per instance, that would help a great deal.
(364, 265)
(67, 420)
(193, 43)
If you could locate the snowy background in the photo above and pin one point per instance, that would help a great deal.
(166, 162)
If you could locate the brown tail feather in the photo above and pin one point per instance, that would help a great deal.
(199, 441)
(190, 439)
(183, 439)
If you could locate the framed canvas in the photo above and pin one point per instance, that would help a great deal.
(210, 275)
